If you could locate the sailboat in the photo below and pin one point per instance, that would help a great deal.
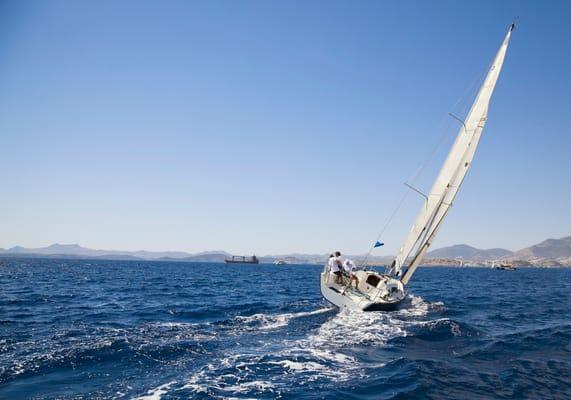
(384, 292)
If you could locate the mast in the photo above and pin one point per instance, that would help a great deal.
(451, 175)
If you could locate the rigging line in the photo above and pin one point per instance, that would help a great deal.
(420, 243)
(446, 131)
(414, 177)
(480, 78)
(387, 223)
(463, 97)
(476, 81)
(403, 198)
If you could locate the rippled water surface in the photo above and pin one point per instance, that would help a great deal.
(158, 330)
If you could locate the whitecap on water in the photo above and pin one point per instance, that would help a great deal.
(323, 355)
(227, 376)
(273, 321)
(156, 393)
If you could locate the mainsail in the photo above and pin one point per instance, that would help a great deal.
(451, 176)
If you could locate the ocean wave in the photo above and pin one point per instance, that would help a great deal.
(530, 343)
(75, 347)
(321, 356)
(156, 393)
(154, 333)
(228, 376)
(273, 321)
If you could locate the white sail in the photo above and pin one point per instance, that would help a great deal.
(451, 175)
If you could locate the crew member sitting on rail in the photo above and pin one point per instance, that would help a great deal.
(335, 269)
(350, 267)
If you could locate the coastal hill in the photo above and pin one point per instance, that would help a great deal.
(468, 252)
(77, 251)
(550, 248)
(550, 252)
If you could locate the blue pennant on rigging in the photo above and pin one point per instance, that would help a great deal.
(379, 244)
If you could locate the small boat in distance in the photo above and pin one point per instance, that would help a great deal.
(280, 262)
(505, 266)
(242, 260)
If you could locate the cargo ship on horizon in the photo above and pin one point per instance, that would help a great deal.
(242, 260)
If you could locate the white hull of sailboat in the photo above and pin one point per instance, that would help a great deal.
(385, 296)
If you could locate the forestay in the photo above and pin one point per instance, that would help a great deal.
(451, 175)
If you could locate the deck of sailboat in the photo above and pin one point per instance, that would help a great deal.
(347, 296)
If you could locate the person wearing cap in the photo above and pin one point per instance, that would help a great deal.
(350, 267)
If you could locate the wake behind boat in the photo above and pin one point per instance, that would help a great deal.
(376, 291)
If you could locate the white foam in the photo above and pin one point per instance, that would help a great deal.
(209, 378)
(274, 321)
(300, 366)
(156, 393)
(322, 355)
(185, 330)
(247, 386)
(264, 321)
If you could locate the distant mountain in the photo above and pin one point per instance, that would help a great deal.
(549, 252)
(75, 250)
(468, 253)
(550, 248)
(151, 255)
(61, 249)
(208, 256)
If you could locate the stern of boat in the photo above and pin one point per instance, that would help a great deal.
(375, 292)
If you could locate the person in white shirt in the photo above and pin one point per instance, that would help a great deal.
(350, 267)
(335, 268)
(338, 259)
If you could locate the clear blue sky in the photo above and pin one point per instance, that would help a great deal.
(273, 126)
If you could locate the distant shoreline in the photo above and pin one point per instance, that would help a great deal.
(549, 253)
(430, 263)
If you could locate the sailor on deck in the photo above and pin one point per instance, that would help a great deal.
(350, 267)
(335, 268)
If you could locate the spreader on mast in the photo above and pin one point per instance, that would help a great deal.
(451, 175)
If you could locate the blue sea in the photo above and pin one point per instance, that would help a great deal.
(158, 330)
